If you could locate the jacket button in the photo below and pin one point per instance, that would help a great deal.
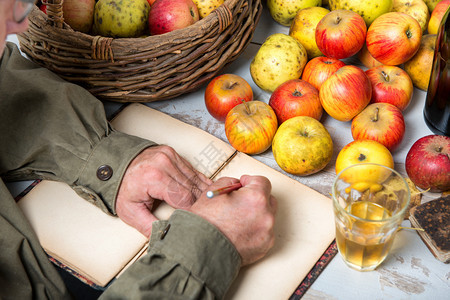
(104, 172)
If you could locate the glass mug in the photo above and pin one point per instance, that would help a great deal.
(369, 202)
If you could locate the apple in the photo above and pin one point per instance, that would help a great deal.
(302, 146)
(367, 59)
(363, 152)
(284, 11)
(436, 16)
(205, 7)
(280, 58)
(121, 19)
(318, 69)
(390, 84)
(43, 8)
(431, 4)
(381, 122)
(224, 92)
(168, 15)
(150, 2)
(419, 67)
(428, 163)
(369, 10)
(393, 38)
(345, 93)
(303, 28)
(251, 126)
(340, 34)
(295, 97)
(79, 14)
(416, 9)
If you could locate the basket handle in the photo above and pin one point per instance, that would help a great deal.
(55, 12)
(224, 15)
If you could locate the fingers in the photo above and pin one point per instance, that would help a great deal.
(181, 177)
(262, 184)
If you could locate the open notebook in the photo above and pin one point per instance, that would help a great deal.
(99, 247)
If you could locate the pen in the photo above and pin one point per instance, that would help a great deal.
(224, 190)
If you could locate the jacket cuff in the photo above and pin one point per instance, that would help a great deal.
(198, 246)
(100, 178)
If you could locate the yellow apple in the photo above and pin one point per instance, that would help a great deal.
(360, 152)
(367, 59)
(279, 59)
(369, 10)
(302, 146)
(303, 28)
(284, 11)
(205, 7)
(419, 66)
(431, 4)
(416, 9)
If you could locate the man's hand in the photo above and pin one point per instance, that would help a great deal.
(157, 173)
(245, 216)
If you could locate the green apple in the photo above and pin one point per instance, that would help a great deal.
(279, 59)
(369, 10)
(121, 18)
(284, 11)
(416, 9)
(419, 66)
(302, 146)
(303, 28)
(431, 4)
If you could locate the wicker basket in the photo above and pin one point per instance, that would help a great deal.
(141, 69)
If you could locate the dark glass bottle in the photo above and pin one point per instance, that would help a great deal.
(437, 105)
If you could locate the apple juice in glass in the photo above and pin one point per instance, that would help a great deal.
(369, 202)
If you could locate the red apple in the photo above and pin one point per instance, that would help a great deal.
(436, 16)
(43, 7)
(79, 14)
(346, 93)
(341, 33)
(428, 163)
(318, 69)
(251, 126)
(381, 122)
(296, 97)
(168, 15)
(150, 2)
(225, 92)
(390, 84)
(393, 38)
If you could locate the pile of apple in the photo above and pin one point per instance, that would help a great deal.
(306, 73)
(133, 18)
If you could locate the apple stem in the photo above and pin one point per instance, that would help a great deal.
(231, 86)
(385, 76)
(338, 20)
(247, 107)
(361, 157)
(375, 117)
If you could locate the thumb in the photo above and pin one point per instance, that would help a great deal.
(139, 217)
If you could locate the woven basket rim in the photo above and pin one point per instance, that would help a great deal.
(198, 28)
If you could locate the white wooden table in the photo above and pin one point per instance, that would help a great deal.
(410, 271)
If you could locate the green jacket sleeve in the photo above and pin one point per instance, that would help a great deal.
(52, 129)
(188, 258)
